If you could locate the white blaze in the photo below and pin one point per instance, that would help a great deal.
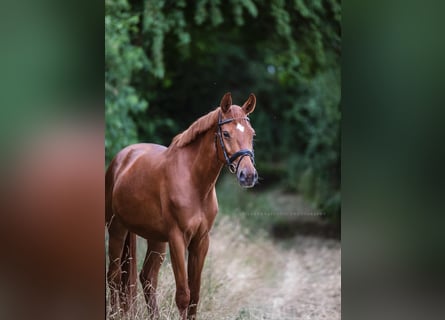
(240, 127)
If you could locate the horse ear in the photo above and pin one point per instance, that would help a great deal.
(226, 102)
(249, 105)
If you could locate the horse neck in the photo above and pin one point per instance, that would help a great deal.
(206, 167)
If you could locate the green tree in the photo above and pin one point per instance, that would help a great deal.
(122, 59)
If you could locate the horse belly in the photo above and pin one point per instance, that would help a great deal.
(150, 233)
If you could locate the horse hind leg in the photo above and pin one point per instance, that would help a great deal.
(117, 235)
(149, 274)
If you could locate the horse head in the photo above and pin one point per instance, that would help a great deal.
(235, 135)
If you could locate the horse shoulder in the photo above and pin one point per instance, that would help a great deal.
(129, 174)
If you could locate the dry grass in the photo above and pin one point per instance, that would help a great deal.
(250, 277)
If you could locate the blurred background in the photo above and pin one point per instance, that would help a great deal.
(169, 62)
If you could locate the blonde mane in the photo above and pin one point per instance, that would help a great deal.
(199, 126)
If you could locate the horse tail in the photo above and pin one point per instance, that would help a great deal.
(129, 269)
(128, 258)
(109, 186)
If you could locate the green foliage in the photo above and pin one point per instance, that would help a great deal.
(179, 57)
(122, 59)
(160, 18)
(316, 169)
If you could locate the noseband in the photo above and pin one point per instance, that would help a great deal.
(239, 154)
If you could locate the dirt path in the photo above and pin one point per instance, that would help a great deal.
(309, 286)
(265, 281)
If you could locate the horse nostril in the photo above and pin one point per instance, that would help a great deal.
(242, 175)
(255, 176)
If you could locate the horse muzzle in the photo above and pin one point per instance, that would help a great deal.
(247, 178)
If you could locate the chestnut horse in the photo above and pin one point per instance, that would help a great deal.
(167, 195)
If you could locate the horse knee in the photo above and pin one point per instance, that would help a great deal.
(182, 298)
(194, 299)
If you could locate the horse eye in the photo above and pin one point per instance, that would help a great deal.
(226, 134)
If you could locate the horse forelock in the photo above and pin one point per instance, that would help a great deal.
(237, 113)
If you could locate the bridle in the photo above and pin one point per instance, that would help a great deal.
(239, 154)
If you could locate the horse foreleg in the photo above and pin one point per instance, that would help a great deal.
(177, 254)
(197, 252)
(116, 241)
(149, 274)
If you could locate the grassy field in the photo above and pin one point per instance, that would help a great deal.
(249, 274)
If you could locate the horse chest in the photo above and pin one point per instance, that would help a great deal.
(191, 211)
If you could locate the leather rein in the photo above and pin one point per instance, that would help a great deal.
(239, 154)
